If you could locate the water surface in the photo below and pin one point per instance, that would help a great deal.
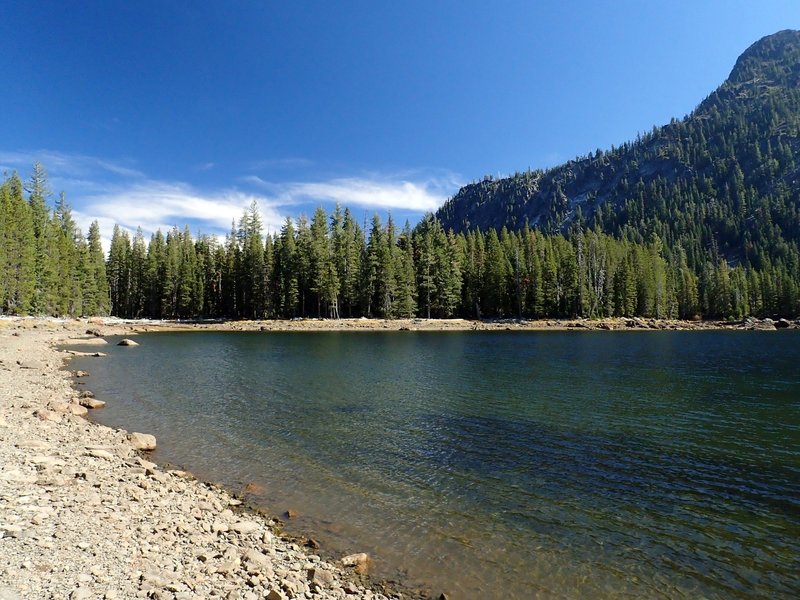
(497, 464)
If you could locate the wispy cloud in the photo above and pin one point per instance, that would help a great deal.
(380, 192)
(70, 165)
(154, 205)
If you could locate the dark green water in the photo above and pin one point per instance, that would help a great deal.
(497, 465)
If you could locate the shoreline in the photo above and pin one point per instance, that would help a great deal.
(84, 514)
(117, 326)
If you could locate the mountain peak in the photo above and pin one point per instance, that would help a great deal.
(772, 59)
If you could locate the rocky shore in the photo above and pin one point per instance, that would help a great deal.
(85, 515)
(310, 325)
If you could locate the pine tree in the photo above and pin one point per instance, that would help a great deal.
(20, 249)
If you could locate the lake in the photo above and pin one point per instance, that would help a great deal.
(496, 464)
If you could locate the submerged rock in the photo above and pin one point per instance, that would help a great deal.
(127, 342)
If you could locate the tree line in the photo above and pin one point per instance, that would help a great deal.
(47, 266)
(330, 266)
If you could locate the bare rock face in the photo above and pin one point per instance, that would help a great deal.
(127, 342)
(142, 441)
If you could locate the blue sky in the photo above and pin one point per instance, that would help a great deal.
(167, 113)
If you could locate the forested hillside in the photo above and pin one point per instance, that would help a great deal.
(699, 218)
(721, 184)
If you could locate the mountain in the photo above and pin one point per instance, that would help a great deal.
(722, 182)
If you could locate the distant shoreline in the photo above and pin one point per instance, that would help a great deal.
(123, 326)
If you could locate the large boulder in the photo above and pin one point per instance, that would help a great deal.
(90, 402)
(142, 441)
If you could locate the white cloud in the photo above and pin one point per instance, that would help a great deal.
(154, 205)
(382, 192)
(72, 165)
(117, 193)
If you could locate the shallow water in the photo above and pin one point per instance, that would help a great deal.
(496, 464)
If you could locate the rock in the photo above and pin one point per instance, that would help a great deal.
(312, 543)
(355, 560)
(292, 514)
(142, 441)
(48, 415)
(91, 402)
(86, 394)
(255, 557)
(782, 324)
(320, 578)
(80, 373)
(99, 453)
(94, 332)
(78, 410)
(11, 531)
(444, 596)
(275, 595)
(127, 342)
(81, 594)
(350, 588)
(31, 363)
(245, 527)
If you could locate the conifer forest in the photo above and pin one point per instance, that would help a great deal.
(331, 266)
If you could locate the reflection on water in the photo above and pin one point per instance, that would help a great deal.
(497, 465)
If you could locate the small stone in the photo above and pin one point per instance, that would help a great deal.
(80, 373)
(350, 588)
(31, 364)
(11, 531)
(219, 527)
(78, 410)
(98, 453)
(320, 578)
(292, 514)
(275, 595)
(245, 527)
(142, 441)
(80, 594)
(48, 415)
(227, 567)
